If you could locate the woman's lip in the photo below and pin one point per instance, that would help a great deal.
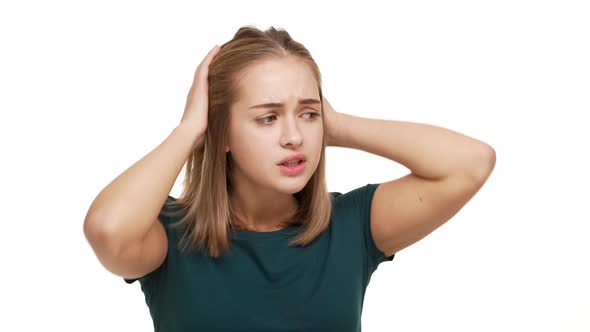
(293, 170)
(299, 156)
(303, 160)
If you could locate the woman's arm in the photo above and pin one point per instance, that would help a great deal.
(447, 169)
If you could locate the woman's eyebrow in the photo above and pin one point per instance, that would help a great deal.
(308, 101)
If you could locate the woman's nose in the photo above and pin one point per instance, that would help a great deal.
(291, 133)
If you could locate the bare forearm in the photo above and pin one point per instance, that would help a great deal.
(127, 207)
(428, 151)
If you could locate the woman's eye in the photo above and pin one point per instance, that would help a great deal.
(315, 115)
(263, 120)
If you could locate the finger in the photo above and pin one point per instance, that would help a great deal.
(204, 65)
(199, 86)
(207, 60)
(203, 70)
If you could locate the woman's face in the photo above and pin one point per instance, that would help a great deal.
(261, 137)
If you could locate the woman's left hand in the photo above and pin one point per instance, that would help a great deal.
(330, 122)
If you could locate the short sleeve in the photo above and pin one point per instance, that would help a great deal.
(375, 255)
(165, 220)
(356, 204)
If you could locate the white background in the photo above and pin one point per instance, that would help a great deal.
(89, 88)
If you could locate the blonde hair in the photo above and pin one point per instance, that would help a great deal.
(205, 203)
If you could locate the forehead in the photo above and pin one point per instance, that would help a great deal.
(277, 80)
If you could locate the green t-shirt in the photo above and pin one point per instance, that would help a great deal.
(265, 285)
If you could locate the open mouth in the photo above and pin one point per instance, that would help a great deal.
(293, 167)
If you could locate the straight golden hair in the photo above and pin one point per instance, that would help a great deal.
(207, 214)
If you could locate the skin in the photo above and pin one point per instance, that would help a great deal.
(261, 137)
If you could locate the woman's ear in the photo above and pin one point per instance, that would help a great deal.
(226, 148)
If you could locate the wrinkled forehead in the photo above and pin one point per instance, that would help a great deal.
(278, 80)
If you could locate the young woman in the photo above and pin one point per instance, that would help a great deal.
(256, 242)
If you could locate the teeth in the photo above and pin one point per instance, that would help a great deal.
(293, 163)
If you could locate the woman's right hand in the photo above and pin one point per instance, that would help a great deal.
(197, 101)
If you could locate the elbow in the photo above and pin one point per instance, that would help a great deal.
(484, 165)
(99, 236)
